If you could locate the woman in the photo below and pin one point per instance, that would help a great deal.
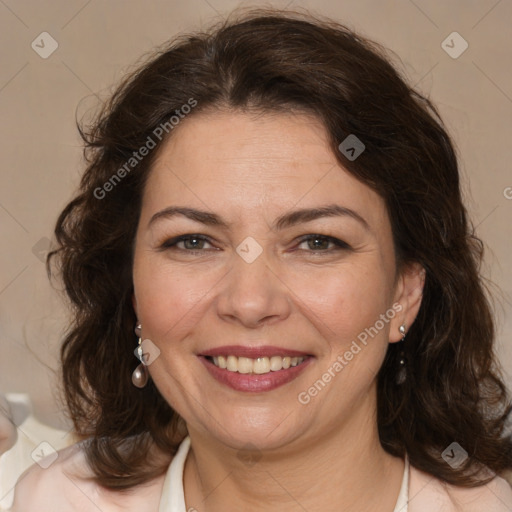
(271, 221)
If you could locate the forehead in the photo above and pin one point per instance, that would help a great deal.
(241, 162)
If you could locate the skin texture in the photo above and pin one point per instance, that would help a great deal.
(313, 297)
(8, 433)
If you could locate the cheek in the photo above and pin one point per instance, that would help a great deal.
(346, 300)
(355, 308)
(165, 296)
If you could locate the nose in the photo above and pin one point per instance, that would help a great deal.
(253, 294)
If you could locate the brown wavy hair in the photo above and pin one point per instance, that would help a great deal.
(279, 61)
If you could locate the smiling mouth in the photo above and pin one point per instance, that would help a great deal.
(257, 366)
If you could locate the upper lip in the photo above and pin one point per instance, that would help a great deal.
(252, 352)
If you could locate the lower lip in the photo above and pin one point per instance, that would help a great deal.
(253, 383)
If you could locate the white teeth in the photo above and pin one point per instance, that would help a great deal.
(258, 366)
(244, 365)
(232, 363)
(261, 365)
(276, 363)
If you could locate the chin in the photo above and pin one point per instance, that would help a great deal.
(257, 428)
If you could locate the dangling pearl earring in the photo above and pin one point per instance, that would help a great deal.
(140, 375)
(402, 373)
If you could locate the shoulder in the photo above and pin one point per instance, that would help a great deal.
(48, 485)
(427, 493)
(65, 485)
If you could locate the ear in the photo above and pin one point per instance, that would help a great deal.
(408, 294)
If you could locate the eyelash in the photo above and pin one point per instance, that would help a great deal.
(172, 243)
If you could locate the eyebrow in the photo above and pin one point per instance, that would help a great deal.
(287, 220)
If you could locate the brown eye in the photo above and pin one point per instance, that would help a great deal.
(321, 243)
(318, 243)
(193, 243)
(189, 243)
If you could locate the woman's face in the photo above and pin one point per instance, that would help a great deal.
(265, 279)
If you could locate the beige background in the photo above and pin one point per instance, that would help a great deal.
(99, 41)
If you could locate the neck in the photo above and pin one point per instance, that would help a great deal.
(346, 470)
